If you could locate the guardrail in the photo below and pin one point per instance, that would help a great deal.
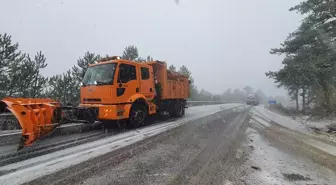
(8, 122)
(200, 103)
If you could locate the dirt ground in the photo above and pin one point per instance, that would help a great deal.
(227, 148)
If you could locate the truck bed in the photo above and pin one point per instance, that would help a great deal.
(173, 85)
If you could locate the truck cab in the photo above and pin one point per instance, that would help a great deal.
(111, 86)
(116, 81)
(116, 89)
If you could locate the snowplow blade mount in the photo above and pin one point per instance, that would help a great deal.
(37, 117)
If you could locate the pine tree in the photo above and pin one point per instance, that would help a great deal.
(83, 64)
(9, 54)
(172, 68)
(310, 56)
(130, 53)
(62, 88)
(78, 72)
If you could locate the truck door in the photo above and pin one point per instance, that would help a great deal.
(147, 82)
(128, 83)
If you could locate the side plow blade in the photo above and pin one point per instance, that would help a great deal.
(37, 117)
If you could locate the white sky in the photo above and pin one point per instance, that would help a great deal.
(225, 43)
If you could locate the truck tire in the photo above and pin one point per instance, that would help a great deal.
(138, 116)
(177, 110)
(183, 109)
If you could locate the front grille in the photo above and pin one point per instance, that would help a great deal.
(92, 99)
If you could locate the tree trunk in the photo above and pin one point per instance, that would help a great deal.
(326, 94)
(297, 99)
(303, 100)
(35, 84)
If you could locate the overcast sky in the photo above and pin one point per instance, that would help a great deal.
(225, 43)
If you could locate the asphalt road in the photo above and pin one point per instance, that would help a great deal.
(29, 169)
(232, 146)
(74, 132)
(189, 154)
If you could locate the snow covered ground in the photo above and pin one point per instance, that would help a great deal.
(285, 121)
(286, 151)
(265, 117)
(273, 163)
(299, 124)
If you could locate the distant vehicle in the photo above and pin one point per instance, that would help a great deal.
(272, 102)
(251, 99)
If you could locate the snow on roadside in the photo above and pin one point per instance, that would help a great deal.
(280, 119)
(270, 164)
(289, 122)
(261, 121)
(321, 124)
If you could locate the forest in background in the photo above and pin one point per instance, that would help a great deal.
(309, 70)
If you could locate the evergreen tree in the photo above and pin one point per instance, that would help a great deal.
(172, 68)
(83, 64)
(130, 53)
(62, 88)
(30, 82)
(310, 57)
(149, 58)
(20, 74)
(9, 54)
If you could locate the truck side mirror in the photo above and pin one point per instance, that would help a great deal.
(189, 81)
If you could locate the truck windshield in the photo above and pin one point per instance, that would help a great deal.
(99, 75)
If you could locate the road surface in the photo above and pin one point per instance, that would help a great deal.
(213, 145)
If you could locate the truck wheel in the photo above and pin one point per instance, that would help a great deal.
(183, 109)
(177, 110)
(138, 115)
(182, 112)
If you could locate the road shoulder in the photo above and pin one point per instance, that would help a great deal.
(280, 155)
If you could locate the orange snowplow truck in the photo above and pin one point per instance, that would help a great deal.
(112, 89)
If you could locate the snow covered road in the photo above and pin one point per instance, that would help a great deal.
(219, 144)
(30, 169)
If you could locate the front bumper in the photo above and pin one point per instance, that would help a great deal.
(105, 112)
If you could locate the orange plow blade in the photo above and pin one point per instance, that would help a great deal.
(37, 117)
